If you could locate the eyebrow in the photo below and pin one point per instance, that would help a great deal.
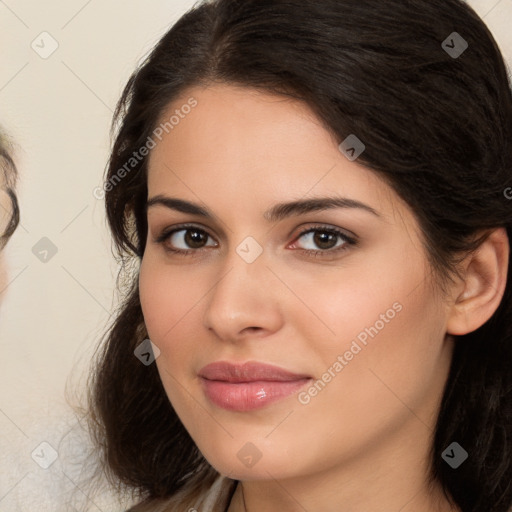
(278, 212)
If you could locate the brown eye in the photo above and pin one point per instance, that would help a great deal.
(195, 238)
(323, 240)
(185, 239)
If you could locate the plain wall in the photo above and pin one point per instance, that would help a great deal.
(57, 303)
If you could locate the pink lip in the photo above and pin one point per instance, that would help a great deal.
(248, 386)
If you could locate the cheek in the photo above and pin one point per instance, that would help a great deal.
(386, 354)
(385, 323)
(167, 298)
(171, 304)
(336, 306)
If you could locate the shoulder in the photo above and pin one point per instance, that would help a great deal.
(217, 497)
(214, 498)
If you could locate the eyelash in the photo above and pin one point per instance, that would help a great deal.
(161, 239)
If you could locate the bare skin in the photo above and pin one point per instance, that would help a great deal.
(362, 442)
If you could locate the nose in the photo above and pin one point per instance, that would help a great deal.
(244, 301)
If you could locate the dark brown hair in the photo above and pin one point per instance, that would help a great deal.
(437, 127)
(10, 176)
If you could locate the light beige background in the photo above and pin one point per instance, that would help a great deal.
(58, 110)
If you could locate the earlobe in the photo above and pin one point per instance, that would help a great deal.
(485, 278)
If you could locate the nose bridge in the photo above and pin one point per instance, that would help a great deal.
(244, 267)
(239, 298)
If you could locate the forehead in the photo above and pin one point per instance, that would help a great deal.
(237, 123)
(238, 142)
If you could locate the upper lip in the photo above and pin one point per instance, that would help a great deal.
(248, 372)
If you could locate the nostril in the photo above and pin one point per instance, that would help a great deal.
(252, 329)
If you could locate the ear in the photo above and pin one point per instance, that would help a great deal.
(479, 294)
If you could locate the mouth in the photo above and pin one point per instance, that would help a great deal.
(249, 386)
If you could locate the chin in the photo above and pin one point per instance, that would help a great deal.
(249, 462)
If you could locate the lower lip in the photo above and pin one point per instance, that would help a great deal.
(248, 396)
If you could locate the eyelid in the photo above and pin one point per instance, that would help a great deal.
(348, 235)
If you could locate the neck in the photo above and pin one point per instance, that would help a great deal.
(393, 477)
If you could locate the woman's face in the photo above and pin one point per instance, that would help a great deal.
(356, 319)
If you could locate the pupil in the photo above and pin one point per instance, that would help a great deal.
(322, 238)
(194, 238)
